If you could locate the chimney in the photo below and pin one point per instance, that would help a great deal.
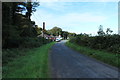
(43, 29)
(43, 25)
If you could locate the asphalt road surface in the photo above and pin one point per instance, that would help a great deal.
(67, 63)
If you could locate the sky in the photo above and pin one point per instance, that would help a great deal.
(78, 17)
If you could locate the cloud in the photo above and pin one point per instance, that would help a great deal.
(56, 14)
(84, 17)
(70, 19)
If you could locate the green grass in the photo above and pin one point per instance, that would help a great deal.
(103, 56)
(32, 65)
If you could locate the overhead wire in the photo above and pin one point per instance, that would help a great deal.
(36, 18)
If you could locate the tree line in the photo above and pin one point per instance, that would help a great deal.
(103, 41)
(18, 31)
(56, 31)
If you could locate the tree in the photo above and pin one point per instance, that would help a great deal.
(9, 32)
(38, 29)
(15, 25)
(56, 31)
(65, 34)
(108, 31)
(101, 32)
(30, 6)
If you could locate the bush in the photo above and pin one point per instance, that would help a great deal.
(29, 42)
(115, 48)
(109, 43)
(23, 44)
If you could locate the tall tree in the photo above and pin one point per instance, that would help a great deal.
(56, 31)
(108, 31)
(15, 25)
(65, 34)
(38, 29)
(101, 32)
(30, 6)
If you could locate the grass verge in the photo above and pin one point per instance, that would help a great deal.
(32, 65)
(103, 56)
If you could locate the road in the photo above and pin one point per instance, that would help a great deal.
(67, 63)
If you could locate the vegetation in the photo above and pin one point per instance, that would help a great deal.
(22, 56)
(9, 54)
(32, 64)
(104, 56)
(25, 55)
(103, 41)
(56, 31)
(105, 47)
(18, 30)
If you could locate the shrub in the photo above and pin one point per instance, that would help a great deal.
(109, 43)
(29, 42)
